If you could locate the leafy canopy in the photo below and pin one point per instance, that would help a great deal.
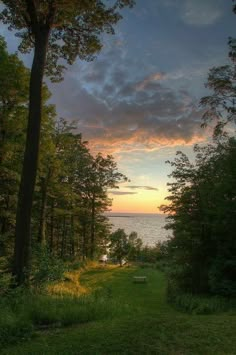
(75, 27)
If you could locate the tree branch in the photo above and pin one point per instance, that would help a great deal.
(31, 9)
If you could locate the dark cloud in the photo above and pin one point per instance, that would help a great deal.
(115, 105)
(150, 188)
(122, 193)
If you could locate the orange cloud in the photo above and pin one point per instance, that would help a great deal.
(113, 145)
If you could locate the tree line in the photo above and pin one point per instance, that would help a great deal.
(202, 197)
(71, 186)
(58, 32)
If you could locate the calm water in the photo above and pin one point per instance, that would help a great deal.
(150, 227)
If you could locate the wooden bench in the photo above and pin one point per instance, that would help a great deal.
(140, 279)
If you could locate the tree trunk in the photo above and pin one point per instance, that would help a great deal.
(92, 236)
(42, 221)
(2, 134)
(28, 176)
(84, 247)
(42, 218)
(72, 235)
(51, 246)
(63, 238)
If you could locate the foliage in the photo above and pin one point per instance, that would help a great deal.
(123, 246)
(75, 27)
(72, 185)
(155, 255)
(14, 79)
(55, 30)
(220, 106)
(195, 304)
(46, 269)
(202, 217)
(203, 197)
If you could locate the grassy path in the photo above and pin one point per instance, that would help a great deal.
(143, 323)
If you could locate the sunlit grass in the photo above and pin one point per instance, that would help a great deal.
(82, 281)
(76, 300)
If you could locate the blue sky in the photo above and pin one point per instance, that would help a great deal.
(139, 99)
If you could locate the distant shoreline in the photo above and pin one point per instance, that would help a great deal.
(131, 215)
(108, 215)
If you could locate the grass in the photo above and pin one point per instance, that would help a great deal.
(133, 319)
(202, 304)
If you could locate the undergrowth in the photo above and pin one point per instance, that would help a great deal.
(23, 313)
(199, 304)
(58, 304)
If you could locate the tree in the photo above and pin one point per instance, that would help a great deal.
(101, 174)
(54, 29)
(119, 247)
(14, 78)
(123, 246)
(202, 216)
(220, 105)
(135, 245)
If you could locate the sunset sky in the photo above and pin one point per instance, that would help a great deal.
(139, 99)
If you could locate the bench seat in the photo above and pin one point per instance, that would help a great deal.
(140, 279)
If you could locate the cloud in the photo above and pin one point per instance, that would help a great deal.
(142, 85)
(119, 109)
(149, 188)
(201, 12)
(121, 193)
(197, 12)
(132, 187)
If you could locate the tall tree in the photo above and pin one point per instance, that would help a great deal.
(220, 105)
(14, 78)
(54, 29)
(202, 218)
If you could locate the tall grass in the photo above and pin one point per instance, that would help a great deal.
(23, 311)
(198, 304)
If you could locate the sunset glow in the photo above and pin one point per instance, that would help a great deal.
(139, 99)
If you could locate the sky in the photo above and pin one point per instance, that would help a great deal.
(139, 99)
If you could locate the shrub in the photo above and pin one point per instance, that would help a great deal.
(46, 268)
(13, 327)
(5, 281)
(197, 304)
(222, 277)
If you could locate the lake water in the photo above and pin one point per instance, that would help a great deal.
(150, 227)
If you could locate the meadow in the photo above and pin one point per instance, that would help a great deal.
(113, 315)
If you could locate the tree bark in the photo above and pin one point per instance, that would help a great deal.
(92, 236)
(72, 235)
(21, 259)
(63, 238)
(51, 245)
(42, 220)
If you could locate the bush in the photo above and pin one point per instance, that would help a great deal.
(15, 323)
(154, 254)
(13, 327)
(222, 277)
(197, 304)
(5, 281)
(46, 268)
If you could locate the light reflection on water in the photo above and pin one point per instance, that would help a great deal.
(150, 227)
